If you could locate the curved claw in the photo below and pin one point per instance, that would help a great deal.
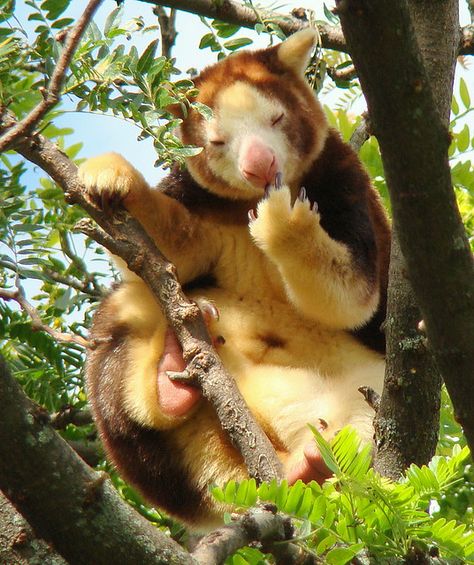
(314, 207)
(209, 310)
(252, 216)
(302, 194)
(278, 180)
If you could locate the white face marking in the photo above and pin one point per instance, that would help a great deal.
(243, 116)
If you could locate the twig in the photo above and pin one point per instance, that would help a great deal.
(70, 415)
(347, 73)
(258, 524)
(371, 397)
(37, 324)
(167, 29)
(361, 133)
(52, 95)
(87, 287)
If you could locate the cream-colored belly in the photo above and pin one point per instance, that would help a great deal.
(292, 371)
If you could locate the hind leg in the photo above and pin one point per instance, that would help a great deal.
(175, 397)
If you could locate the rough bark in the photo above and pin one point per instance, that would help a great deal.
(411, 395)
(414, 141)
(19, 545)
(412, 389)
(69, 504)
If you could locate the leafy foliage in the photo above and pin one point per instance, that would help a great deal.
(359, 513)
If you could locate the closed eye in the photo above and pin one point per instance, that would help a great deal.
(278, 119)
(217, 142)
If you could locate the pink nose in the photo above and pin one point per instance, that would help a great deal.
(258, 163)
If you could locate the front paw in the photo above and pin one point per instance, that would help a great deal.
(109, 179)
(279, 224)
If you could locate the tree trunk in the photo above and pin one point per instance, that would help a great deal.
(412, 131)
(411, 397)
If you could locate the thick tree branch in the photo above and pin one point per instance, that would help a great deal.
(414, 142)
(68, 503)
(412, 391)
(239, 14)
(19, 545)
(52, 94)
(123, 236)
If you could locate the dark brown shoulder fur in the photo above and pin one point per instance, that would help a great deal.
(352, 213)
(181, 186)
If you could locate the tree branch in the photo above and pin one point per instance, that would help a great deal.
(414, 141)
(236, 13)
(70, 415)
(167, 29)
(258, 524)
(52, 95)
(19, 544)
(123, 236)
(37, 324)
(65, 501)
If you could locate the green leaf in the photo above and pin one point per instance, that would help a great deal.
(282, 494)
(113, 20)
(295, 497)
(340, 555)
(464, 93)
(326, 451)
(63, 22)
(326, 543)
(224, 29)
(454, 106)
(208, 40)
(203, 110)
(319, 507)
(218, 494)
(234, 44)
(463, 139)
(185, 151)
(147, 58)
(229, 491)
(54, 8)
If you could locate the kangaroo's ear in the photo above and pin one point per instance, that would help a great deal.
(295, 51)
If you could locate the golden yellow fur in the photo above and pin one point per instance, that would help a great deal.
(320, 366)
